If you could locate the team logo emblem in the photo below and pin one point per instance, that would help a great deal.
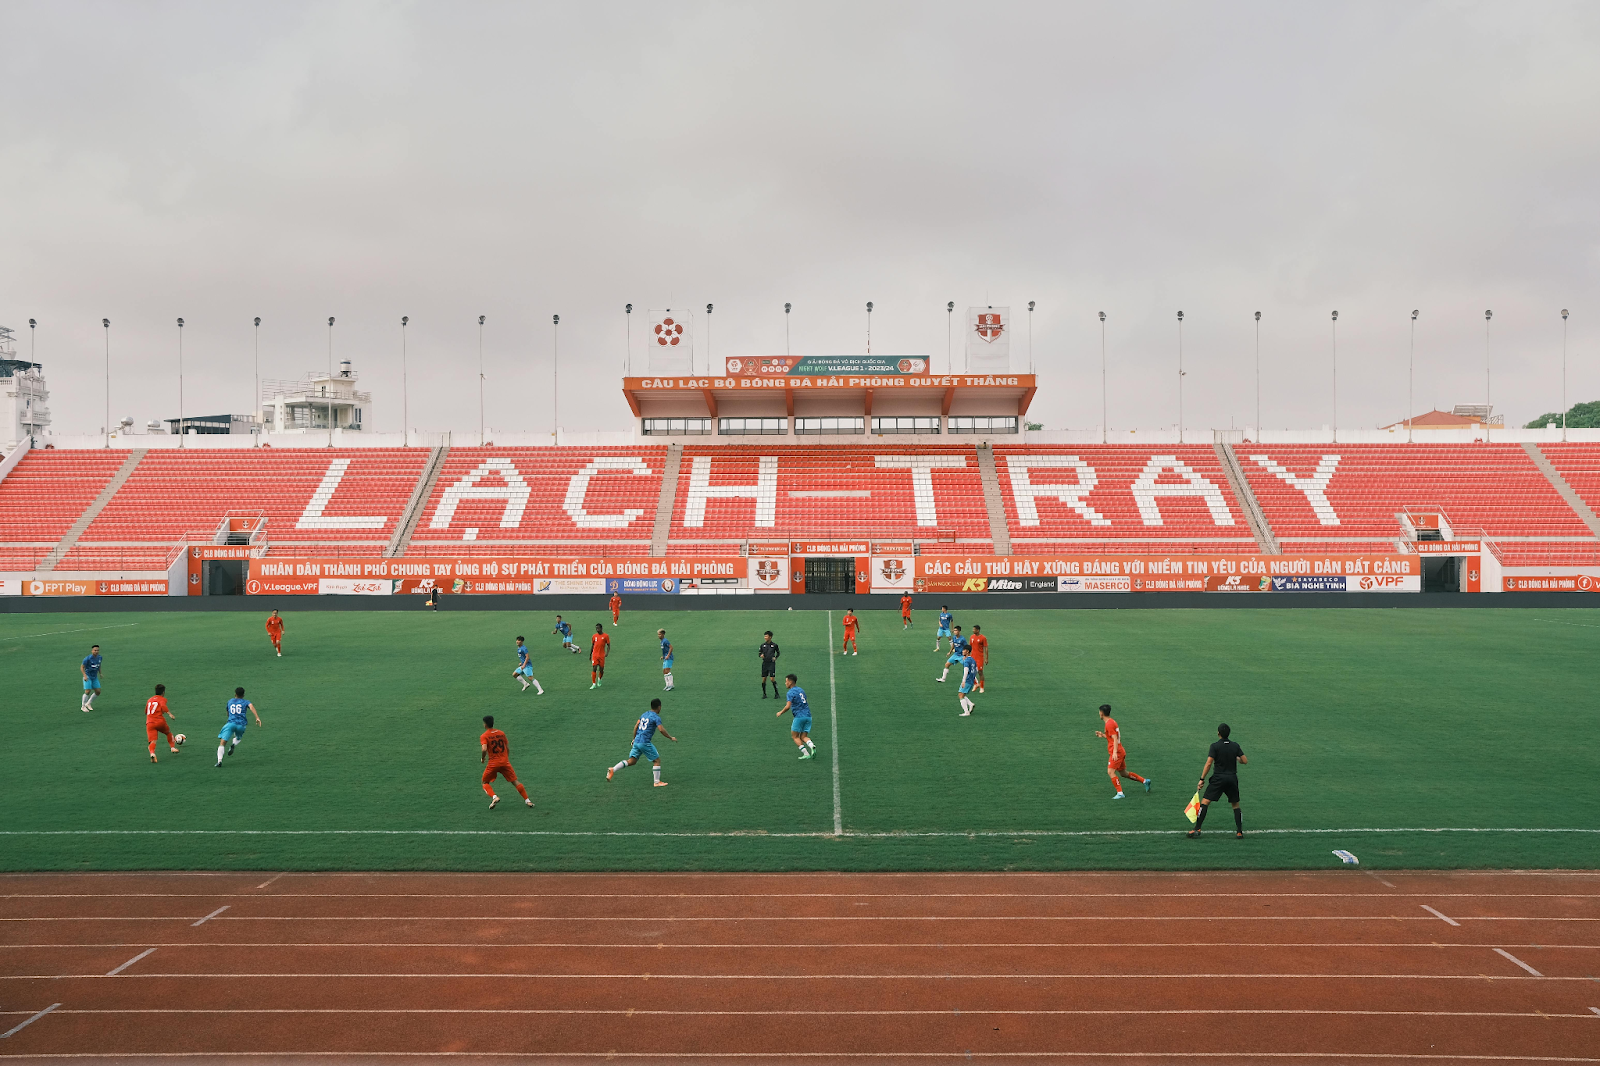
(990, 327)
(767, 571)
(734, 366)
(668, 332)
(893, 570)
(1366, 582)
(666, 584)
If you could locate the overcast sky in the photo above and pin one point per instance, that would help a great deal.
(371, 160)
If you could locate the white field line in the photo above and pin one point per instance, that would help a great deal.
(225, 906)
(802, 918)
(29, 1021)
(833, 714)
(1503, 952)
(763, 834)
(567, 976)
(945, 1013)
(1443, 918)
(60, 632)
(130, 962)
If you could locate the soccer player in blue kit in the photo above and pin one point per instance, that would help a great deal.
(564, 630)
(90, 669)
(969, 681)
(233, 730)
(945, 618)
(800, 728)
(666, 657)
(524, 670)
(959, 647)
(644, 730)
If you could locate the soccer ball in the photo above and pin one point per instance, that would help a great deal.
(180, 738)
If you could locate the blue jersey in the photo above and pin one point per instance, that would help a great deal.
(945, 618)
(648, 721)
(797, 702)
(970, 667)
(522, 655)
(666, 648)
(236, 709)
(91, 666)
(565, 629)
(960, 645)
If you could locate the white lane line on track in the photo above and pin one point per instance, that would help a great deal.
(130, 962)
(632, 896)
(657, 976)
(225, 906)
(345, 945)
(805, 918)
(271, 879)
(24, 1024)
(1503, 952)
(946, 1012)
(1595, 1009)
(758, 834)
(1442, 917)
(833, 714)
(1378, 879)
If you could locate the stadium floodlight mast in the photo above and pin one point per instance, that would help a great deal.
(405, 399)
(1411, 378)
(869, 327)
(482, 433)
(1102, 377)
(1335, 360)
(106, 322)
(1258, 377)
(708, 342)
(258, 380)
(555, 379)
(627, 337)
(1030, 336)
(786, 328)
(1487, 315)
(330, 381)
(949, 333)
(33, 352)
(1180, 377)
(180, 388)
(1563, 371)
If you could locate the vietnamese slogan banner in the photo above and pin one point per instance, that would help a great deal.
(520, 575)
(1147, 573)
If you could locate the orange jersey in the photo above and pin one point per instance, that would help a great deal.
(905, 606)
(850, 623)
(598, 645)
(497, 747)
(616, 603)
(980, 648)
(1113, 738)
(156, 708)
(274, 626)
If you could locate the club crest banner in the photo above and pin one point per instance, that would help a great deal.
(989, 339)
(670, 341)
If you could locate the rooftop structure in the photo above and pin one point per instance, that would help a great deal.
(24, 399)
(315, 403)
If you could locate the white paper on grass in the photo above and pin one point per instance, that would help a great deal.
(989, 340)
(670, 342)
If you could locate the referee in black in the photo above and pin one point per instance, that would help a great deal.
(769, 665)
(1222, 763)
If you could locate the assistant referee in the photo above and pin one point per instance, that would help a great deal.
(1222, 763)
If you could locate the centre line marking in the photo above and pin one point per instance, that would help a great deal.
(1519, 962)
(225, 906)
(833, 725)
(1444, 918)
(23, 1025)
(136, 958)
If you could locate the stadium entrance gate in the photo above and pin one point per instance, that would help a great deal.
(830, 575)
(1442, 574)
(222, 577)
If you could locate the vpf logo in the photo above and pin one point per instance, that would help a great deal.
(990, 327)
(768, 572)
(893, 571)
(1366, 582)
(668, 332)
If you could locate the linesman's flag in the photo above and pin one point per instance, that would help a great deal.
(1192, 811)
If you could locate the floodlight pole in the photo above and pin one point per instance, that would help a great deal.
(482, 433)
(1335, 361)
(1258, 377)
(555, 379)
(949, 332)
(1563, 372)
(405, 396)
(1180, 377)
(1411, 379)
(1487, 404)
(627, 333)
(1030, 336)
(786, 329)
(258, 380)
(869, 327)
(708, 341)
(106, 322)
(330, 381)
(1102, 377)
(180, 390)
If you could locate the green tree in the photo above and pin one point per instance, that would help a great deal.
(1580, 416)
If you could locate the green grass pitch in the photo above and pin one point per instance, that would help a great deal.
(1352, 719)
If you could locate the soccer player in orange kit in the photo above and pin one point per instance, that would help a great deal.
(275, 632)
(1116, 754)
(980, 652)
(905, 612)
(496, 751)
(851, 622)
(598, 645)
(155, 721)
(616, 608)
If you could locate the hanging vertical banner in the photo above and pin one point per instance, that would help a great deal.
(670, 340)
(989, 339)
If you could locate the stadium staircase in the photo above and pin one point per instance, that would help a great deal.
(98, 504)
(413, 514)
(1266, 543)
(992, 501)
(669, 494)
(1561, 485)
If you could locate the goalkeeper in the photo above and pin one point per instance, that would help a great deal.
(1222, 763)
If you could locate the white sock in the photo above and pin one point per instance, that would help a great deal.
(221, 751)
(669, 679)
(656, 772)
(620, 766)
(524, 682)
(811, 744)
(538, 687)
(945, 674)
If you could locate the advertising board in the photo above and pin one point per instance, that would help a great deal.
(84, 586)
(1552, 583)
(747, 366)
(650, 586)
(516, 575)
(1155, 573)
(1094, 584)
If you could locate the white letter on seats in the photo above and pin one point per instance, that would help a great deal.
(1315, 487)
(921, 467)
(1145, 490)
(764, 491)
(313, 519)
(1024, 491)
(578, 487)
(514, 492)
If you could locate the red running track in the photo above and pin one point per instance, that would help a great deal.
(752, 968)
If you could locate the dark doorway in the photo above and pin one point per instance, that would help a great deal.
(831, 575)
(223, 577)
(1441, 574)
